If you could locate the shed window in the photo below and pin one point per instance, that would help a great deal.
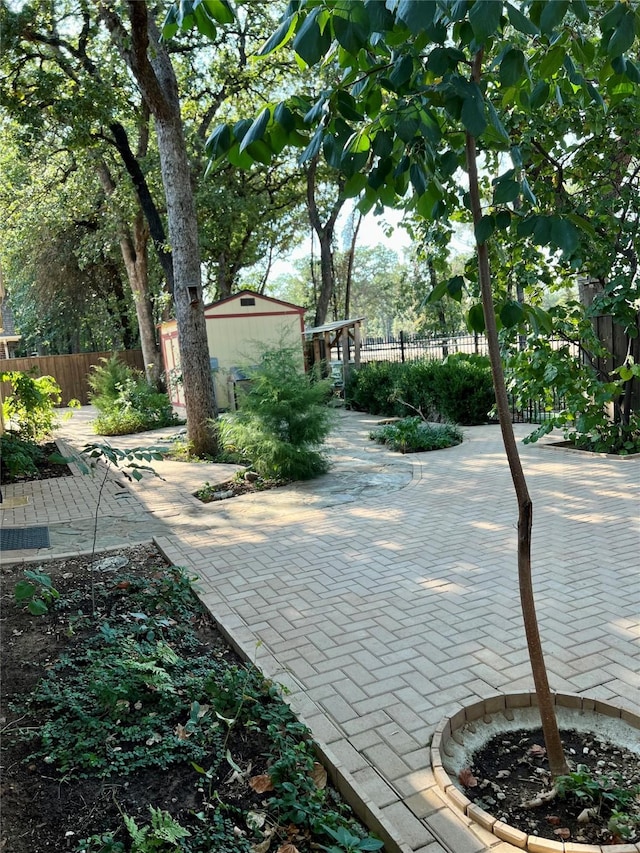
(247, 300)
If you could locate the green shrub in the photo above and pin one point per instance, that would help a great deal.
(125, 401)
(282, 420)
(371, 388)
(412, 435)
(464, 390)
(30, 407)
(459, 390)
(18, 456)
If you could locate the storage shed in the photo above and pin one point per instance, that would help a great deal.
(239, 329)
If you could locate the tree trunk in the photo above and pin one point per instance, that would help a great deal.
(134, 254)
(324, 234)
(555, 753)
(350, 260)
(151, 66)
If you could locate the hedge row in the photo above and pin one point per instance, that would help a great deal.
(458, 390)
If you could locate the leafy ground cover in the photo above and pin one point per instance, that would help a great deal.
(414, 434)
(134, 726)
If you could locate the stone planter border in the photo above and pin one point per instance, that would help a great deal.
(506, 704)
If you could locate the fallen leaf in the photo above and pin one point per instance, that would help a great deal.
(261, 846)
(319, 776)
(466, 778)
(181, 733)
(261, 784)
(537, 751)
(553, 819)
(587, 815)
(563, 832)
(255, 820)
(287, 848)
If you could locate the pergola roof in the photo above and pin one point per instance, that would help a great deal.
(333, 327)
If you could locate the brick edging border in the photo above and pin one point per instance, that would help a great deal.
(507, 704)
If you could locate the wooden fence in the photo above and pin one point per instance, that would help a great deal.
(69, 371)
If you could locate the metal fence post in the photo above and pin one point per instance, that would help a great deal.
(401, 346)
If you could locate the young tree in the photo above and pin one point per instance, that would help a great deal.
(425, 92)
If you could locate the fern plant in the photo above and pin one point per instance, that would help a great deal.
(162, 836)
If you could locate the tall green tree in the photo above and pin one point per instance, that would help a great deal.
(425, 94)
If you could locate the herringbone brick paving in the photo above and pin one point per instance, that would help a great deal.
(384, 613)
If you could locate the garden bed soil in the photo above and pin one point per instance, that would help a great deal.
(511, 769)
(44, 809)
(46, 469)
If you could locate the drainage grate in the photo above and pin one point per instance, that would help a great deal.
(23, 538)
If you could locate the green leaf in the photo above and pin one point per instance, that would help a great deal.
(496, 124)
(503, 220)
(354, 186)
(418, 15)
(313, 147)
(472, 115)
(475, 318)
(280, 37)
(528, 193)
(552, 61)
(257, 129)
(37, 607)
(512, 67)
(284, 117)
(351, 27)
(564, 234)
(511, 314)
(23, 590)
(438, 292)
(539, 94)
(455, 286)
(520, 22)
(347, 106)
(219, 10)
(485, 18)
(204, 23)
(380, 18)
(505, 191)
(170, 24)
(418, 178)
(402, 71)
(552, 15)
(580, 10)
(612, 18)
(310, 42)
(485, 228)
(624, 35)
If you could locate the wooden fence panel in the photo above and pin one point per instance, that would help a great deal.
(69, 371)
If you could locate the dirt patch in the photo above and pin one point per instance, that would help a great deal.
(46, 469)
(511, 769)
(212, 728)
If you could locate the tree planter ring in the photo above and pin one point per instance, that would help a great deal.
(471, 727)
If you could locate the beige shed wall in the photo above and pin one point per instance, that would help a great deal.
(239, 342)
(237, 335)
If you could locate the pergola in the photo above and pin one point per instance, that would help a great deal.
(344, 336)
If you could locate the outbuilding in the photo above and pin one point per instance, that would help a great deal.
(239, 329)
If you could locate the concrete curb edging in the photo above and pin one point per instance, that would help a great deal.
(451, 728)
(338, 756)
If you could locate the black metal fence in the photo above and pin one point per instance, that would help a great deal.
(406, 347)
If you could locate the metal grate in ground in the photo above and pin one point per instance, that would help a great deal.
(23, 538)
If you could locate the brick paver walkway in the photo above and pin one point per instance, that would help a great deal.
(385, 610)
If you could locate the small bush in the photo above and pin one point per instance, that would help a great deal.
(412, 435)
(459, 390)
(18, 456)
(372, 387)
(282, 420)
(30, 408)
(125, 401)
